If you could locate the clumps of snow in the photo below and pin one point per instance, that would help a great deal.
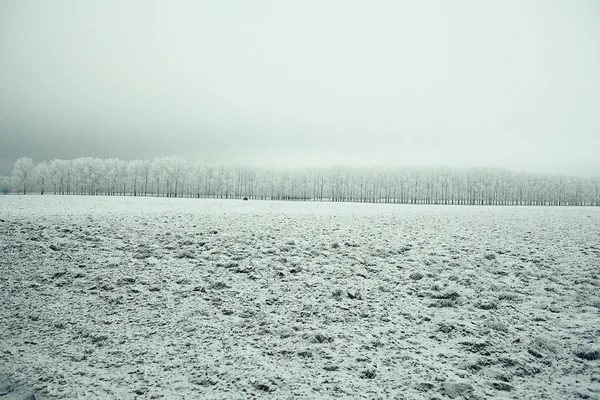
(496, 325)
(416, 276)
(486, 305)
(588, 353)
(443, 303)
(142, 254)
(126, 280)
(219, 285)
(322, 338)
(264, 386)
(286, 332)
(456, 390)
(502, 386)
(476, 346)
(508, 296)
(368, 374)
(337, 294)
(445, 327)
(446, 295)
(354, 294)
(305, 354)
(542, 347)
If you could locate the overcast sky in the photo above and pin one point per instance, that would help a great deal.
(304, 83)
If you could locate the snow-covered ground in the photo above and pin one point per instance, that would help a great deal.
(123, 297)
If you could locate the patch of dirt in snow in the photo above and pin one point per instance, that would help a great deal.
(180, 298)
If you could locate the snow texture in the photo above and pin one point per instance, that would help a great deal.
(121, 297)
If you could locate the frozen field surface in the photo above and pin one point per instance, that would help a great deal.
(123, 297)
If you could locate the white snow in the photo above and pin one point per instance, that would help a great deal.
(124, 297)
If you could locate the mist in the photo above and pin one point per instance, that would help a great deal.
(304, 84)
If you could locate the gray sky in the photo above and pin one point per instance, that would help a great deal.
(304, 83)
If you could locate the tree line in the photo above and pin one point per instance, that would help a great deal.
(175, 177)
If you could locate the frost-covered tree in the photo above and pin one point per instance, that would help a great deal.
(196, 177)
(5, 184)
(122, 176)
(146, 176)
(41, 173)
(80, 176)
(112, 170)
(157, 171)
(208, 181)
(173, 176)
(22, 174)
(135, 172)
(87, 175)
(56, 175)
(173, 169)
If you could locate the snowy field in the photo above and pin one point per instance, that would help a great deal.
(123, 297)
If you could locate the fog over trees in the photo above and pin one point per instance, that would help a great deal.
(175, 177)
